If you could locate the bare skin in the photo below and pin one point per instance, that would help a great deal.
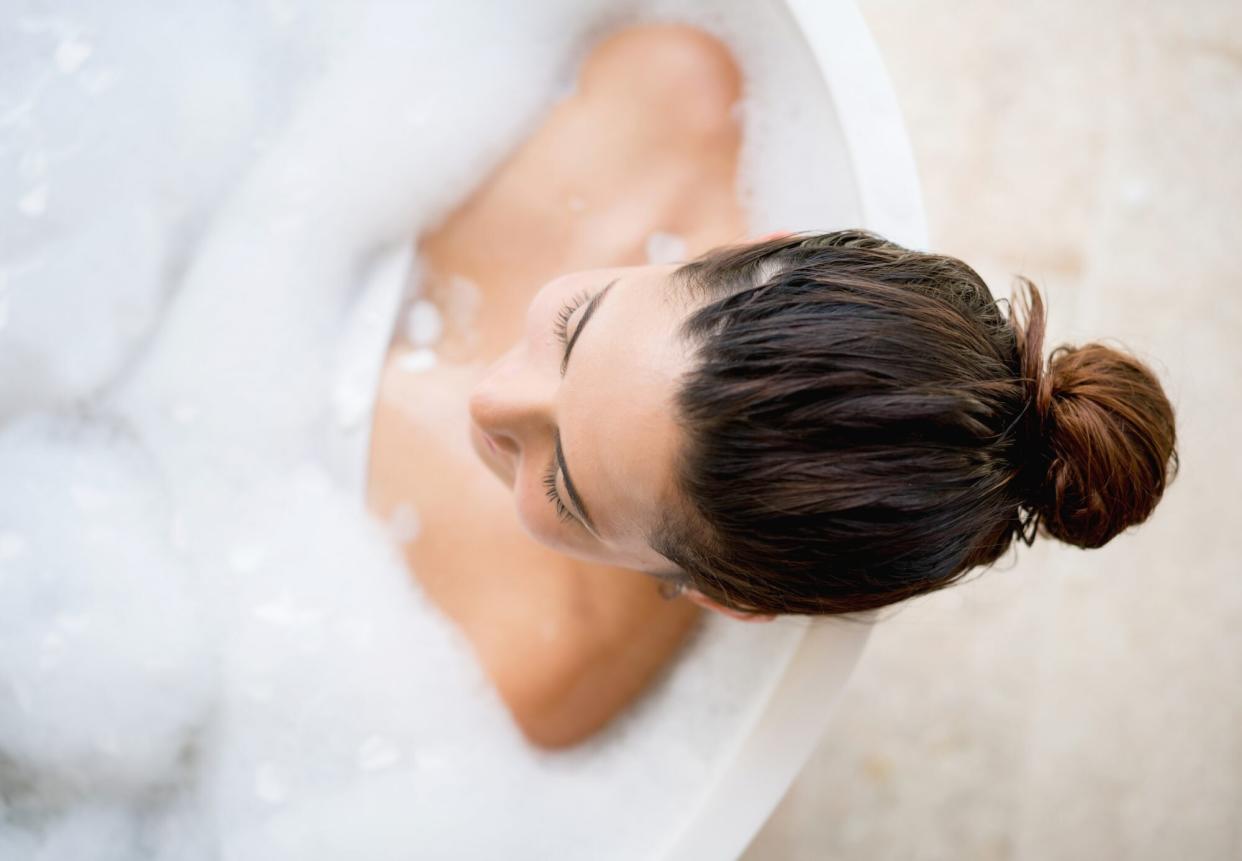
(647, 143)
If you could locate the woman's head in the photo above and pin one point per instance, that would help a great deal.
(831, 423)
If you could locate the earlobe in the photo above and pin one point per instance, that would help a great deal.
(741, 615)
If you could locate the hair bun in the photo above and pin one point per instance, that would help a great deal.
(1099, 442)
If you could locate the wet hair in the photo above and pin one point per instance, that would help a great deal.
(864, 424)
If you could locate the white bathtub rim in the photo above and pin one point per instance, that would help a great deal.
(787, 725)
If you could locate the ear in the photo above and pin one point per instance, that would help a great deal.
(703, 601)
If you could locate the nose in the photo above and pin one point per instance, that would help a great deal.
(514, 402)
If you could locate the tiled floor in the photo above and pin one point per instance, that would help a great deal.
(1069, 704)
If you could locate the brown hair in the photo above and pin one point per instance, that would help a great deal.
(863, 425)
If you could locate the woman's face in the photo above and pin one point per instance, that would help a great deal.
(577, 418)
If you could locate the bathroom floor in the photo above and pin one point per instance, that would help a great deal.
(1067, 704)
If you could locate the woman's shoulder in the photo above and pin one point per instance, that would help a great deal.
(684, 70)
(567, 672)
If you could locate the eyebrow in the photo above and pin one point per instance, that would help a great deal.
(574, 496)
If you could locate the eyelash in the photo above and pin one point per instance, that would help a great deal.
(560, 326)
(549, 483)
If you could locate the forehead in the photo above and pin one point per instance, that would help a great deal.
(617, 421)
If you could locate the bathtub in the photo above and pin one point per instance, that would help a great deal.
(775, 741)
(790, 713)
(297, 233)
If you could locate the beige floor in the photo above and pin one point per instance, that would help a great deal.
(1069, 704)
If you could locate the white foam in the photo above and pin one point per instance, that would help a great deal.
(423, 324)
(377, 753)
(403, 524)
(665, 247)
(462, 302)
(268, 785)
(417, 361)
(71, 54)
(179, 565)
(34, 202)
(100, 615)
(12, 545)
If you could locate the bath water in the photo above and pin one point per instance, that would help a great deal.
(208, 649)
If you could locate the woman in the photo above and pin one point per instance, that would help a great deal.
(805, 424)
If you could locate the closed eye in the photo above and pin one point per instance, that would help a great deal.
(561, 327)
